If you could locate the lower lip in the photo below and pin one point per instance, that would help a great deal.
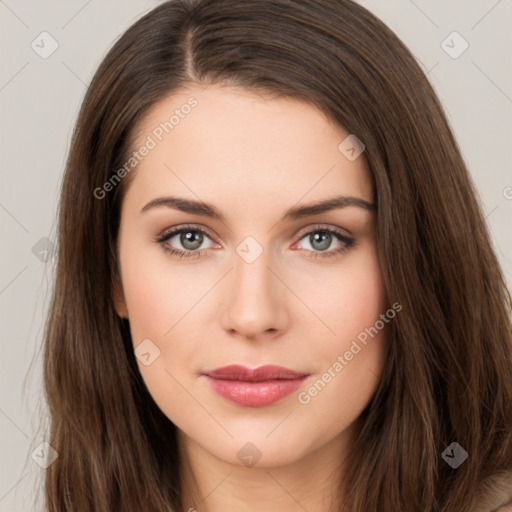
(254, 394)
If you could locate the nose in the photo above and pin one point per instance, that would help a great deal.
(256, 302)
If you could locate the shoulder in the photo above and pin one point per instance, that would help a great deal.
(495, 494)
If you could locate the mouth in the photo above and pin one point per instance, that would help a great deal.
(258, 387)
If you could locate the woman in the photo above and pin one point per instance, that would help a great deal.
(275, 287)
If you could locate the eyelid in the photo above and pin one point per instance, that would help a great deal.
(183, 227)
(319, 226)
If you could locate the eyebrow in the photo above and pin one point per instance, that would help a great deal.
(294, 213)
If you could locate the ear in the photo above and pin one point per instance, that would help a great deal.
(118, 298)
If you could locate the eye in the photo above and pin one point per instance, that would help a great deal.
(321, 239)
(190, 238)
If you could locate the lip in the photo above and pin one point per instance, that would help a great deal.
(262, 373)
(258, 387)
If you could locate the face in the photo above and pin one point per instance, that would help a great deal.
(243, 283)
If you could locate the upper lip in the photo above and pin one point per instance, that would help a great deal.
(262, 373)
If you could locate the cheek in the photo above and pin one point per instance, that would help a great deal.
(351, 356)
(164, 306)
(347, 298)
(362, 299)
(157, 293)
(160, 301)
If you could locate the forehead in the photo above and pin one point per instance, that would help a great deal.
(257, 150)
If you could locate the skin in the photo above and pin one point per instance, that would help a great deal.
(253, 157)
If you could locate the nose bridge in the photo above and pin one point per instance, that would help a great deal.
(256, 303)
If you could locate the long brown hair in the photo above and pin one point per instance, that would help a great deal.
(448, 374)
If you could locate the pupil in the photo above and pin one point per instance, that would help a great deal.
(323, 238)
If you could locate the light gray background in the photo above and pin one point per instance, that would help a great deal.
(39, 101)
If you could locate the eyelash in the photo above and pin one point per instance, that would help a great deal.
(163, 238)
